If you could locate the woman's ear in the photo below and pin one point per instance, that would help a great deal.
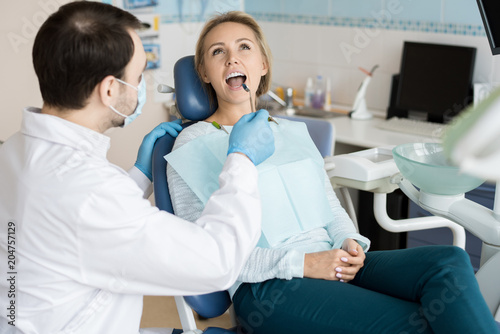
(203, 74)
(265, 67)
(205, 78)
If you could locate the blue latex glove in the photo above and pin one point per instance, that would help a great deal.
(145, 155)
(253, 137)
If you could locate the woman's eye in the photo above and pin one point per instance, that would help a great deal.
(216, 52)
(245, 47)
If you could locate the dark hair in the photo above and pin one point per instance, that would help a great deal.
(77, 47)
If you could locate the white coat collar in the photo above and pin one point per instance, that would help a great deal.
(61, 131)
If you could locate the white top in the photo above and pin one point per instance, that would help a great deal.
(285, 261)
(88, 245)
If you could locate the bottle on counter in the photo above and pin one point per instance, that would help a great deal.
(328, 94)
(318, 100)
(308, 93)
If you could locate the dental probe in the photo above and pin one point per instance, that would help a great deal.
(245, 87)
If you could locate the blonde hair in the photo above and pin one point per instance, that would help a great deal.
(235, 17)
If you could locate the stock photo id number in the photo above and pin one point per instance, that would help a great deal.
(11, 273)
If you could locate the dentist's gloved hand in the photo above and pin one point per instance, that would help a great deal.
(145, 155)
(253, 137)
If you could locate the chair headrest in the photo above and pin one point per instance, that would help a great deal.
(193, 102)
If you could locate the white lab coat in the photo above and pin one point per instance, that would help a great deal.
(89, 246)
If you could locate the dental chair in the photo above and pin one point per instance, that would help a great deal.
(194, 105)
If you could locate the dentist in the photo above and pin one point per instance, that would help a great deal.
(83, 243)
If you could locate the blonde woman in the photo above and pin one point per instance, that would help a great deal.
(309, 273)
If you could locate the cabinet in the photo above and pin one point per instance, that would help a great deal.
(483, 195)
(397, 208)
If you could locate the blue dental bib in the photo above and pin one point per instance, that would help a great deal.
(291, 181)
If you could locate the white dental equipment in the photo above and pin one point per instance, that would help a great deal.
(473, 144)
(374, 170)
(165, 89)
(359, 110)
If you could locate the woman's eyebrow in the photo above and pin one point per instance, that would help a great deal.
(215, 44)
(237, 41)
(244, 39)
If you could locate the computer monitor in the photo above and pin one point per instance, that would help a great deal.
(435, 80)
(490, 13)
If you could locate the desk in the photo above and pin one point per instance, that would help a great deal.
(365, 134)
(353, 135)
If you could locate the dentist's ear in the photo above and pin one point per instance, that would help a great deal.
(108, 89)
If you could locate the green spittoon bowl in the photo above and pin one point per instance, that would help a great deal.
(426, 167)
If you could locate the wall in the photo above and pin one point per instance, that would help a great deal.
(335, 37)
(331, 37)
(19, 22)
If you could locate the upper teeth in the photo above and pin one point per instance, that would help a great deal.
(235, 74)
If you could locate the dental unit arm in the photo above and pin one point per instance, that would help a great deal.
(374, 170)
(473, 141)
(473, 144)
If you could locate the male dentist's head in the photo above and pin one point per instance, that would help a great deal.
(89, 62)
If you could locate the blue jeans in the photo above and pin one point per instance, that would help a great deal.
(428, 289)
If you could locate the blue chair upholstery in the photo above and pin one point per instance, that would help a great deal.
(162, 147)
(194, 104)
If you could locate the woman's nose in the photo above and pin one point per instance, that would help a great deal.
(231, 59)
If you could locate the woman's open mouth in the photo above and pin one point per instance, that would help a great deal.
(235, 79)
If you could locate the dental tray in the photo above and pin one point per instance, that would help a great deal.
(366, 165)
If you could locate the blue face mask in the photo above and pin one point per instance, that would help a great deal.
(141, 100)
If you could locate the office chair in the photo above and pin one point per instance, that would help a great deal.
(194, 105)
